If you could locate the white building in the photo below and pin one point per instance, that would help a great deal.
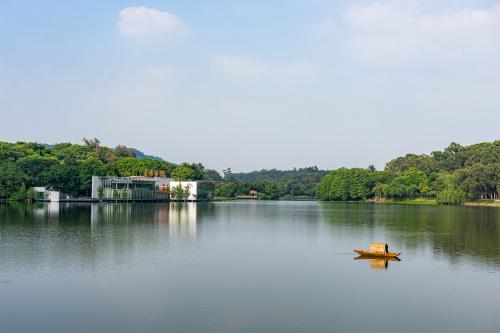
(198, 190)
(44, 194)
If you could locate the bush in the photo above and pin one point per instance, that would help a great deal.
(20, 194)
(451, 196)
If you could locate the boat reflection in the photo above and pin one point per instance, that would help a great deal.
(377, 263)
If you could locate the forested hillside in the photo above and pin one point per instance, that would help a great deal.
(272, 184)
(69, 167)
(273, 174)
(451, 176)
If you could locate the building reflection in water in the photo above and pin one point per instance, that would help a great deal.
(47, 210)
(178, 220)
(182, 221)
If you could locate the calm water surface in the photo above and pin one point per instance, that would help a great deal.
(247, 267)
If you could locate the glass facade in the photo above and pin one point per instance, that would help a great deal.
(121, 188)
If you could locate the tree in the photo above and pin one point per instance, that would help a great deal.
(409, 185)
(92, 143)
(30, 194)
(88, 168)
(479, 181)
(177, 192)
(380, 190)
(451, 196)
(20, 194)
(346, 184)
(185, 172)
(123, 151)
(227, 173)
(210, 174)
(62, 177)
(187, 192)
(100, 192)
(11, 179)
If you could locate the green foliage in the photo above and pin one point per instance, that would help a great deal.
(123, 151)
(210, 174)
(479, 181)
(274, 174)
(67, 167)
(19, 194)
(129, 166)
(179, 192)
(409, 185)
(187, 171)
(450, 176)
(100, 192)
(451, 196)
(30, 194)
(271, 184)
(350, 184)
(11, 178)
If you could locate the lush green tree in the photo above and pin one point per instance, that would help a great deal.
(20, 194)
(180, 192)
(451, 196)
(64, 177)
(346, 184)
(123, 151)
(11, 179)
(409, 185)
(88, 168)
(187, 171)
(479, 181)
(211, 174)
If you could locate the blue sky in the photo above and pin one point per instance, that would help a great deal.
(252, 84)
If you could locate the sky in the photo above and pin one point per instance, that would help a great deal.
(252, 84)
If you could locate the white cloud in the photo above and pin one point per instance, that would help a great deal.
(402, 29)
(143, 22)
(249, 68)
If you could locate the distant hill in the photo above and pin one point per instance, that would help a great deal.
(140, 155)
(276, 175)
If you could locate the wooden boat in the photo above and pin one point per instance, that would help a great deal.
(363, 257)
(378, 250)
(371, 254)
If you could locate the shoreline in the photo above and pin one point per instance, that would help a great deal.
(419, 201)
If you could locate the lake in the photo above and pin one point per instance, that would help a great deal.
(247, 266)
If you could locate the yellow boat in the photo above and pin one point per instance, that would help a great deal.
(377, 258)
(379, 250)
(366, 253)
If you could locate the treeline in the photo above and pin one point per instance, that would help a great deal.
(450, 176)
(272, 184)
(70, 167)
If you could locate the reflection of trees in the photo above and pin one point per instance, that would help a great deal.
(78, 235)
(44, 234)
(453, 232)
(87, 235)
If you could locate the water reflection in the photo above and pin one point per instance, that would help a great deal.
(88, 235)
(246, 267)
(377, 263)
(80, 233)
(182, 221)
(453, 233)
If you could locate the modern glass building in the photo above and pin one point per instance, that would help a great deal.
(130, 188)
